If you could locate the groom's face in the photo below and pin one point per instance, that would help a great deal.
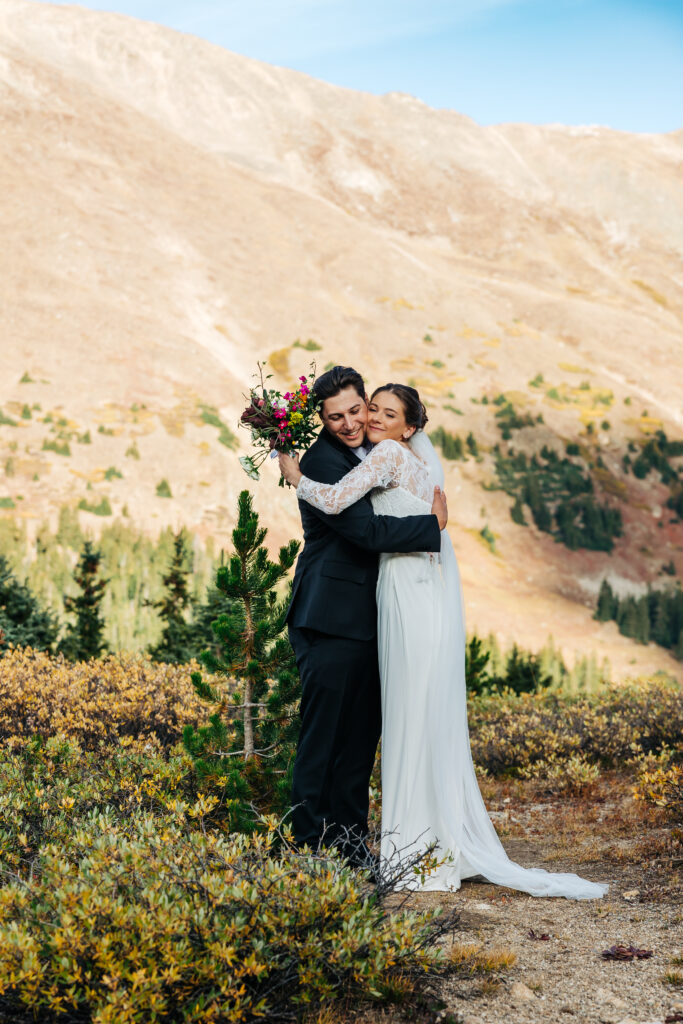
(346, 415)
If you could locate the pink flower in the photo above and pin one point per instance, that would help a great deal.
(302, 379)
(287, 396)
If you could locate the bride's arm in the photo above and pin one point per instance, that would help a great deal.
(379, 469)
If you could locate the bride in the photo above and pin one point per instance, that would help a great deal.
(429, 787)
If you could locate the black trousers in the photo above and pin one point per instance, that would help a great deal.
(341, 721)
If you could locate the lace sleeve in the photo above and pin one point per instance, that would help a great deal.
(379, 469)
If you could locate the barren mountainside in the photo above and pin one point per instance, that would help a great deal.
(173, 212)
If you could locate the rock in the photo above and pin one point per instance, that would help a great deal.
(604, 995)
(521, 992)
(632, 894)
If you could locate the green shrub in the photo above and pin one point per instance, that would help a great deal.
(451, 446)
(308, 346)
(510, 732)
(55, 446)
(102, 508)
(164, 489)
(149, 921)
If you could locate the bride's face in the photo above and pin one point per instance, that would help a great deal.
(387, 419)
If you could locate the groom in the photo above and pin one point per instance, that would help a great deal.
(332, 622)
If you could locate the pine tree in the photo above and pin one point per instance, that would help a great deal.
(607, 603)
(176, 644)
(523, 673)
(250, 740)
(23, 621)
(661, 626)
(84, 638)
(642, 634)
(476, 665)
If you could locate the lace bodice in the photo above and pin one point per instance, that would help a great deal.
(399, 480)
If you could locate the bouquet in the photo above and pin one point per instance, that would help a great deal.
(279, 423)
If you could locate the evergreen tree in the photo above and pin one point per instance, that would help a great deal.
(627, 617)
(642, 633)
(23, 621)
(176, 644)
(607, 603)
(249, 742)
(476, 665)
(84, 638)
(523, 673)
(661, 626)
(517, 513)
(471, 443)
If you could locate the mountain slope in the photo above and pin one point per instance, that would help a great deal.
(173, 212)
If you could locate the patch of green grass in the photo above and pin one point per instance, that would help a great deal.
(164, 489)
(537, 381)
(210, 415)
(308, 346)
(26, 378)
(55, 446)
(7, 420)
(437, 364)
(26, 412)
(452, 408)
(112, 473)
(486, 535)
(6, 502)
(103, 508)
(132, 451)
(84, 438)
(109, 431)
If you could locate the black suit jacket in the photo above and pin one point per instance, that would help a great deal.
(336, 572)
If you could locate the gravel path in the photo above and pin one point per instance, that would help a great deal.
(564, 977)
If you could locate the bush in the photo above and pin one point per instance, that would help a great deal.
(163, 920)
(48, 786)
(662, 787)
(95, 701)
(511, 732)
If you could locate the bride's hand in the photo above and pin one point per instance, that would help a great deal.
(289, 467)
(440, 508)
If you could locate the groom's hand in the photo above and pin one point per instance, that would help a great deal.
(440, 508)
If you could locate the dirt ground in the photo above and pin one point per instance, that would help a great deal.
(604, 836)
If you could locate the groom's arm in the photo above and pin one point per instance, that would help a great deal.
(359, 524)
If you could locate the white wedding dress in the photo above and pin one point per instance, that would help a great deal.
(429, 787)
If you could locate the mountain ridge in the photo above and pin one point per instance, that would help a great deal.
(157, 248)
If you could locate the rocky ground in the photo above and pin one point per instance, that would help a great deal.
(557, 972)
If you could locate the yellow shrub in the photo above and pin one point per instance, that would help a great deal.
(145, 921)
(95, 701)
(663, 788)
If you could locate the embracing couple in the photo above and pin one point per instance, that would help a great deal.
(377, 626)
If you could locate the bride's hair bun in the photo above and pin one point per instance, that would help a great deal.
(413, 407)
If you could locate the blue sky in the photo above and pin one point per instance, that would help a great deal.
(616, 63)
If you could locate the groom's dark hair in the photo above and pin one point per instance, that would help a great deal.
(335, 380)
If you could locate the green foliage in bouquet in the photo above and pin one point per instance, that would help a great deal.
(248, 746)
(23, 621)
